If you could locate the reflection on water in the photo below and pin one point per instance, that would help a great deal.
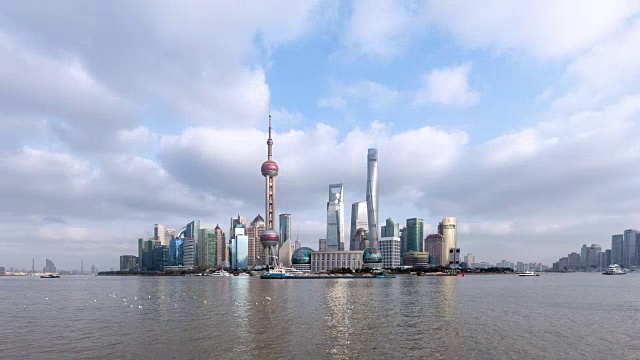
(485, 317)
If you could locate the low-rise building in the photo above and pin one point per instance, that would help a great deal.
(128, 263)
(322, 261)
(416, 258)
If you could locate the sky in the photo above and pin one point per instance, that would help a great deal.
(520, 119)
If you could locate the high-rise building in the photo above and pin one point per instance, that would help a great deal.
(176, 252)
(256, 252)
(322, 245)
(454, 257)
(145, 254)
(335, 218)
(208, 248)
(372, 197)
(359, 220)
(128, 263)
(574, 261)
(629, 248)
(359, 241)
(298, 245)
(415, 234)
(390, 250)
(161, 233)
(269, 238)
(189, 256)
(242, 220)
(285, 252)
(583, 256)
(239, 249)
(390, 229)
(592, 256)
(617, 246)
(435, 246)
(469, 259)
(403, 242)
(191, 231)
(285, 227)
(448, 229)
(49, 267)
(221, 245)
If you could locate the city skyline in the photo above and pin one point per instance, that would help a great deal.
(522, 127)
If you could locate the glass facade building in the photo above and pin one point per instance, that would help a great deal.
(240, 252)
(285, 227)
(372, 197)
(617, 246)
(176, 252)
(359, 220)
(335, 218)
(415, 234)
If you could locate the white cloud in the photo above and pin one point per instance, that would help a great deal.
(374, 94)
(548, 29)
(380, 28)
(447, 86)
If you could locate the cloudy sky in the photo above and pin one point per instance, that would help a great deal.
(518, 118)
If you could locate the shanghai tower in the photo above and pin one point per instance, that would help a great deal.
(372, 197)
(269, 238)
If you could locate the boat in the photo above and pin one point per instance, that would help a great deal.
(280, 272)
(50, 276)
(528, 273)
(614, 269)
(220, 273)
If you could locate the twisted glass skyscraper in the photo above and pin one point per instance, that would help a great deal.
(372, 197)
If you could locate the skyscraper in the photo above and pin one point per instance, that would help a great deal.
(256, 252)
(50, 267)
(415, 234)
(269, 238)
(448, 229)
(285, 227)
(630, 256)
(372, 197)
(583, 256)
(335, 218)
(617, 246)
(434, 245)
(359, 220)
(161, 233)
(221, 241)
(390, 229)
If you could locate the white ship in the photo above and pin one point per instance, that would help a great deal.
(528, 273)
(614, 269)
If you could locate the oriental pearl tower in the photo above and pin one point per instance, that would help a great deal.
(269, 238)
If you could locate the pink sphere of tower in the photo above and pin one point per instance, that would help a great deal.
(269, 168)
(269, 238)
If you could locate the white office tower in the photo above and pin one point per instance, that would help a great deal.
(335, 218)
(447, 228)
(372, 197)
(390, 249)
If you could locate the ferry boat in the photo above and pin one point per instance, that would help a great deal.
(50, 276)
(220, 273)
(614, 269)
(529, 273)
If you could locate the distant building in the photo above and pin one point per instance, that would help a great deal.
(372, 197)
(322, 261)
(240, 250)
(2, 271)
(592, 256)
(607, 258)
(403, 241)
(469, 259)
(454, 257)
(448, 229)
(573, 262)
(416, 259)
(335, 218)
(161, 233)
(301, 259)
(583, 257)
(50, 267)
(372, 259)
(176, 252)
(128, 263)
(617, 249)
(358, 221)
(434, 245)
(629, 248)
(390, 229)
(93, 269)
(189, 247)
(415, 234)
(298, 245)
(221, 246)
(390, 250)
(285, 227)
(285, 251)
(359, 241)
(256, 252)
(322, 244)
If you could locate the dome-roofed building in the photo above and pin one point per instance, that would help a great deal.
(301, 259)
(372, 258)
(258, 219)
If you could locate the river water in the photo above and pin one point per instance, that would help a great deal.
(553, 316)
